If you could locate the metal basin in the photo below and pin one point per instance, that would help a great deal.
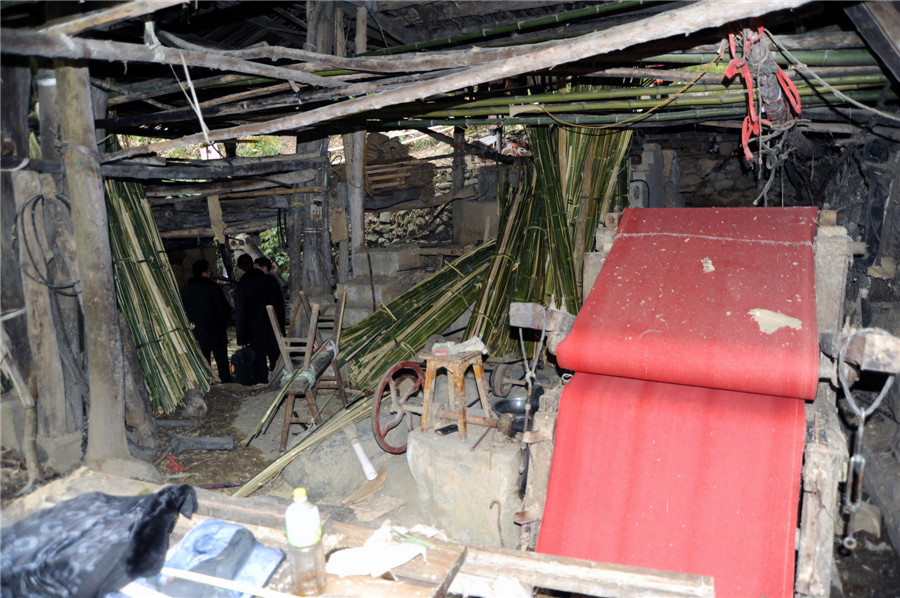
(515, 406)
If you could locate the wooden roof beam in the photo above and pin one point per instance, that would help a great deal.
(679, 21)
(34, 43)
(100, 19)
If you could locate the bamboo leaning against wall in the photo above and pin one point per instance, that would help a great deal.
(148, 296)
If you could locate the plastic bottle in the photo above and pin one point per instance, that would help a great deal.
(306, 556)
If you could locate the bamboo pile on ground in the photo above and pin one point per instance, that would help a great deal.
(395, 332)
(148, 296)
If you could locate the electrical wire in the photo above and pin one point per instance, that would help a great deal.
(40, 264)
(662, 104)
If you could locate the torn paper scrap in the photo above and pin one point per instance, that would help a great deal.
(770, 321)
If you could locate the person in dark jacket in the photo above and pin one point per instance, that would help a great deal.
(253, 293)
(208, 310)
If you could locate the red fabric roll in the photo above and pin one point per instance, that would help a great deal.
(691, 296)
(679, 442)
(677, 478)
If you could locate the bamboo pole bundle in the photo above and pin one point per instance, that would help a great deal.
(736, 109)
(490, 316)
(549, 163)
(398, 330)
(455, 108)
(712, 97)
(503, 29)
(547, 225)
(807, 57)
(149, 298)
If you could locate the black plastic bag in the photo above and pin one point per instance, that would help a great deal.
(90, 545)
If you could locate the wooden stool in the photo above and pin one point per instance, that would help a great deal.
(456, 366)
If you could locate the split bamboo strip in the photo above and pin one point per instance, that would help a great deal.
(148, 296)
(490, 316)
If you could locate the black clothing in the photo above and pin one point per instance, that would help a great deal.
(208, 310)
(254, 291)
(91, 545)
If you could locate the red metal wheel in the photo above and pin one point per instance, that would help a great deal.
(399, 397)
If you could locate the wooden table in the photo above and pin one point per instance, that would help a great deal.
(470, 570)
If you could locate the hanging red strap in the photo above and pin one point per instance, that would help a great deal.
(790, 90)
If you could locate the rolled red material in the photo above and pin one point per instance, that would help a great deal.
(679, 441)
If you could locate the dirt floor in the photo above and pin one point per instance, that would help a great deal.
(234, 410)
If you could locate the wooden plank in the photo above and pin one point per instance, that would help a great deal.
(33, 43)
(583, 577)
(109, 16)
(205, 189)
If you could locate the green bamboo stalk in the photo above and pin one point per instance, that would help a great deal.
(148, 296)
(626, 92)
(708, 98)
(519, 26)
(661, 116)
(808, 57)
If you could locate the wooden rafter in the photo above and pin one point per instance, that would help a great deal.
(679, 21)
(99, 19)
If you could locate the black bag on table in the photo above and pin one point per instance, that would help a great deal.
(248, 367)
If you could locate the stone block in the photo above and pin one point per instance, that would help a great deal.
(689, 181)
(593, 261)
(12, 422)
(386, 261)
(723, 184)
(471, 218)
(706, 164)
(359, 290)
(457, 485)
(355, 315)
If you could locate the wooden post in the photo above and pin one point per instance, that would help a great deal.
(340, 49)
(54, 419)
(356, 161)
(459, 158)
(107, 448)
(317, 272)
(14, 92)
(58, 226)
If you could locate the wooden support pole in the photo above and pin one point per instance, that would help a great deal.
(356, 161)
(54, 419)
(317, 276)
(107, 449)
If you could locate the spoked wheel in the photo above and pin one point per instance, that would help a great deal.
(397, 405)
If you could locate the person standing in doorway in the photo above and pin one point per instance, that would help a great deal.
(265, 264)
(253, 293)
(208, 311)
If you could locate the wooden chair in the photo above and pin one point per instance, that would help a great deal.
(330, 321)
(301, 347)
(296, 348)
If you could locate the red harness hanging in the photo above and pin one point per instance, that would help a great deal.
(753, 121)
